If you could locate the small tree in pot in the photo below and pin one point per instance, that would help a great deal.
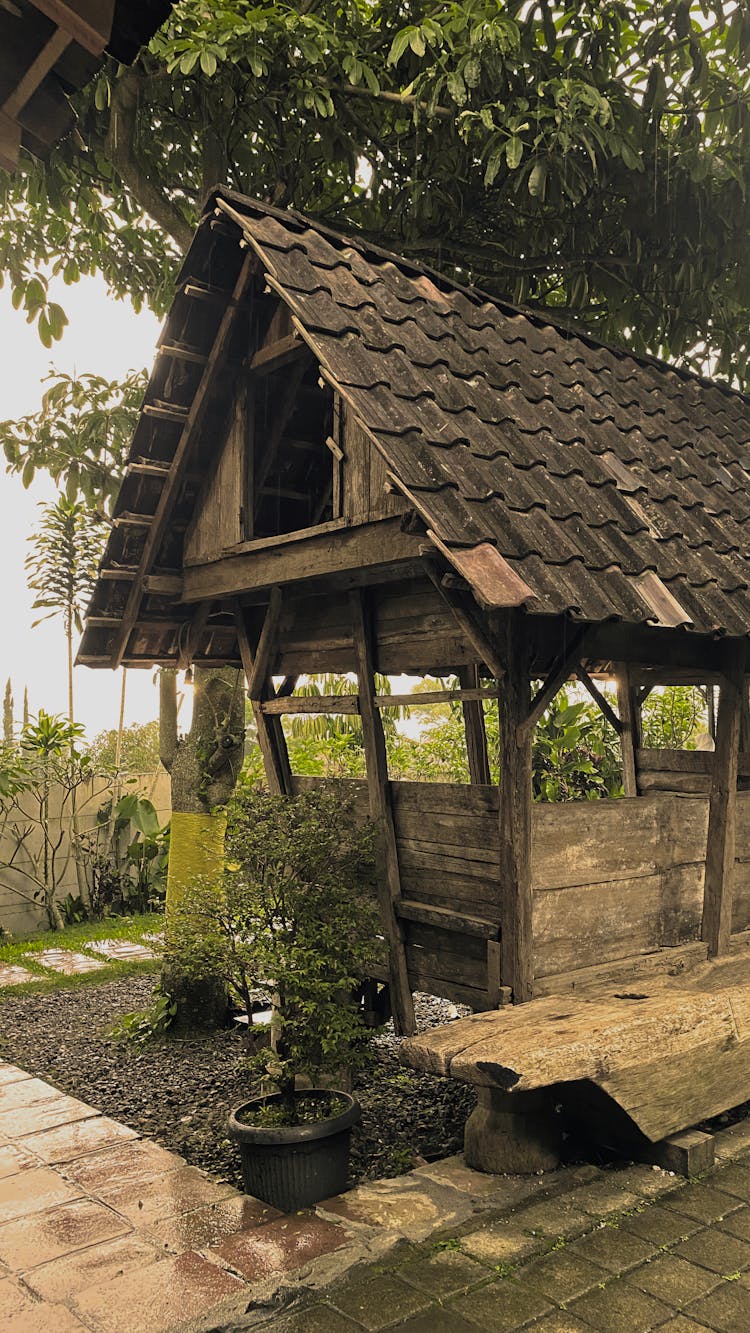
(296, 914)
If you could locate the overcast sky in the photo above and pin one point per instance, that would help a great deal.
(108, 338)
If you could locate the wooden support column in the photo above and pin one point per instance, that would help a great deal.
(514, 704)
(389, 881)
(720, 845)
(630, 738)
(271, 739)
(476, 735)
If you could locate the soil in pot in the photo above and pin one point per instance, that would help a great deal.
(293, 1166)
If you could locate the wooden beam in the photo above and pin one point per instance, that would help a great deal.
(335, 549)
(36, 73)
(166, 412)
(389, 882)
(562, 668)
(266, 646)
(274, 355)
(720, 845)
(182, 352)
(310, 703)
(160, 470)
(514, 886)
(630, 735)
(271, 739)
(10, 142)
(416, 700)
(189, 431)
(466, 616)
(475, 731)
(600, 700)
(88, 22)
(162, 585)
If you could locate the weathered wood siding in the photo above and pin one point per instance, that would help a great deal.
(217, 523)
(612, 879)
(365, 475)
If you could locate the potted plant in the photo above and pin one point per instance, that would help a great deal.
(296, 915)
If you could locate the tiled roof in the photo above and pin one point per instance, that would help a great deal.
(611, 486)
(554, 472)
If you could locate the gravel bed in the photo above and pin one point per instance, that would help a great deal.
(179, 1091)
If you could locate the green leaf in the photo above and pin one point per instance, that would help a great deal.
(399, 46)
(208, 62)
(538, 180)
(514, 151)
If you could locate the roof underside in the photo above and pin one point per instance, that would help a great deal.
(52, 48)
(569, 477)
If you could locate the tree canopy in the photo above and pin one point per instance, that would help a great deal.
(589, 157)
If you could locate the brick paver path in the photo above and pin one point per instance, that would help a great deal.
(101, 1230)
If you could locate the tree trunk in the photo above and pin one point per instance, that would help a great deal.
(203, 766)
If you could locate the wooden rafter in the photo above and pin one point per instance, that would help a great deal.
(562, 668)
(190, 428)
(600, 700)
(467, 619)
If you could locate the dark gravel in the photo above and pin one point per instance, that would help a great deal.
(179, 1091)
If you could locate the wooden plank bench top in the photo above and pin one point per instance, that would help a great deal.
(669, 1057)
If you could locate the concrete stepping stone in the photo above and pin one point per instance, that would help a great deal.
(69, 964)
(11, 975)
(122, 950)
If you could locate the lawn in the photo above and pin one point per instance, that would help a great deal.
(78, 939)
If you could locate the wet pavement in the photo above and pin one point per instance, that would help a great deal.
(104, 1231)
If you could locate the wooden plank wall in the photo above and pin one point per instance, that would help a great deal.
(612, 878)
(217, 522)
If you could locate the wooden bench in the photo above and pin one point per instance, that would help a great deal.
(635, 1066)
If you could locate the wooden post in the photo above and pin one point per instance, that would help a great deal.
(515, 813)
(476, 735)
(389, 882)
(630, 729)
(720, 844)
(270, 732)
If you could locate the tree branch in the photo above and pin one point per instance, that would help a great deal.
(121, 137)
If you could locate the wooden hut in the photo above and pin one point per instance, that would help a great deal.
(347, 463)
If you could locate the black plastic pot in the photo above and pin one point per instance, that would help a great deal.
(295, 1166)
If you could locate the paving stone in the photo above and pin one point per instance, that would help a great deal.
(560, 1322)
(209, 1226)
(379, 1300)
(648, 1181)
(126, 1165)
(436, 1319)
(62, 1278)
(563, 1275)
(660, 1225)
(502, 1306)
(604, 1197)
(614, 1249)
(165, 1295)
(14, 1159)
(737, 1224)
(11, 1074)
(319, 1319)
(166, 1195)
(733, 1141)
(502, 1243)
(402, 1204)
(682, 1325)
(279, 1247)
(39, 1317)
(673, 1279)
(59, 1110)
(32, 1191)
(39, 1237)
(734, 1180)
(552, 1218)
(67, 1142)
(444, 1274)
(66, 962)
(727, 1309)
(12, 1298)
(12, 975)
(620, 1308)
(453, 1172)
(717, 1251)
(122, 950)
(702, 1202)
(26, 1092)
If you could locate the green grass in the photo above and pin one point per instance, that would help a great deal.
(77, 939)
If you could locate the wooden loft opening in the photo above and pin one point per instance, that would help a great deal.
(290, 476)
